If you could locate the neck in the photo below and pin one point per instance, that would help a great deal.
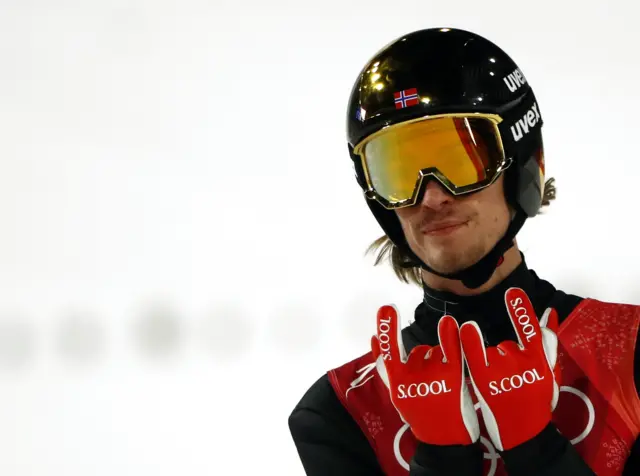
(512, 259)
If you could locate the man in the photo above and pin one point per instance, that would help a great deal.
(445, 135)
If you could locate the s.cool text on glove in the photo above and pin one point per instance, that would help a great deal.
(383, 338)
(514, 382)
(422, 389)
(523, 318)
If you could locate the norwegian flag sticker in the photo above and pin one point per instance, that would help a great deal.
(406, 98)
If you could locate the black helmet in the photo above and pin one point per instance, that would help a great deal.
(445, 71)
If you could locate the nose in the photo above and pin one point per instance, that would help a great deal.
(435, 196)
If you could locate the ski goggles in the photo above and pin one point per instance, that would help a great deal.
(464, 152)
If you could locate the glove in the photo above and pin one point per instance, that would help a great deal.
(514, 382)
(428, 387)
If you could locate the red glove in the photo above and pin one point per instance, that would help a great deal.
(428, 387)
(515, 384)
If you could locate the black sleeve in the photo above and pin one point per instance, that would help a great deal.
(632, 465)
(548, 454)
(330, 442)
(636, 364)
(430, 460)
(551, 454)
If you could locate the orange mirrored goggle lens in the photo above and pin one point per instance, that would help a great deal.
(464, 153)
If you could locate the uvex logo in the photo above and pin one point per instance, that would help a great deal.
(528, 122)
(515, 80)
(508, 384)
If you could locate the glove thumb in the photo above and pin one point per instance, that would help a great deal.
(378, 359)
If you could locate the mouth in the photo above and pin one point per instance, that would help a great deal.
(442, 229)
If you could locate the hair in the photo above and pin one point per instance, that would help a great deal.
(383, 247)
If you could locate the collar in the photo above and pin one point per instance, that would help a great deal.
(445, 302)
(488, 309)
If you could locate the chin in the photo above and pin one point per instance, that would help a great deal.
(449, 262)
(446, 267)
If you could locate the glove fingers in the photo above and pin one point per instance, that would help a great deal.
(473, 346)
(508, 347)
(549, 319)
(390, 336)
(449, 338)
(524, 319)
(549, 325)
(419, 357)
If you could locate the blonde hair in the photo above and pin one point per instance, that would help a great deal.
(383, 247)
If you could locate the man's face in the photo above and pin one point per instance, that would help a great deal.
(451, 233)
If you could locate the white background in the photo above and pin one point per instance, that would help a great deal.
(182, 237)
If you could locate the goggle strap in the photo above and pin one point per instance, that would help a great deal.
(521, 124)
